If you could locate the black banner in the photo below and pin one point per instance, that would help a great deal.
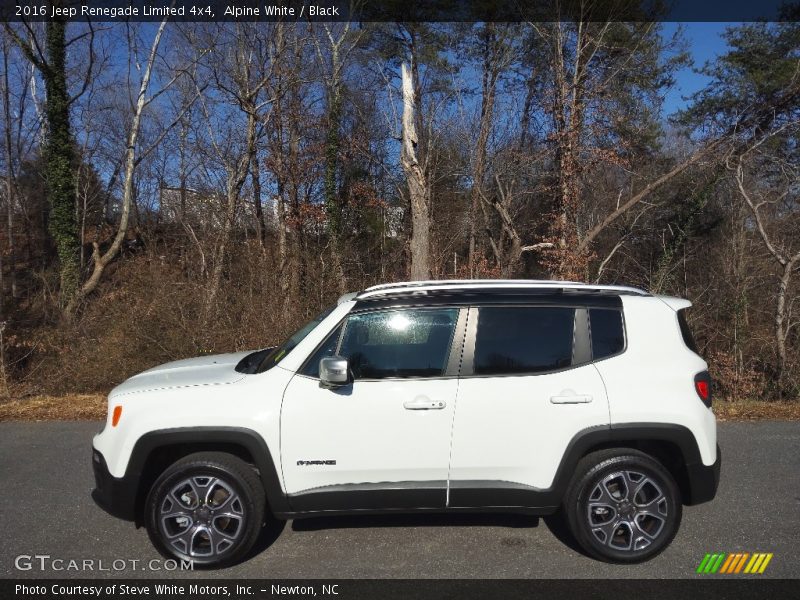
(396, 10)
(262, 589)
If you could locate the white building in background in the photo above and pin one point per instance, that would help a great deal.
(206, 210)
(195, 208)
(393, 220)
(185, 205)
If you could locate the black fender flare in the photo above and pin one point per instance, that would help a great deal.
(702, 480)
(248, 439)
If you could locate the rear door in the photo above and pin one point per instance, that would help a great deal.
(527, 387)
(384, 440)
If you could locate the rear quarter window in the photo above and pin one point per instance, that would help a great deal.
(607, 332)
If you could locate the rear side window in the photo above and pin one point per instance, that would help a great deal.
(513, 340)
(608, 336)
(688, 338)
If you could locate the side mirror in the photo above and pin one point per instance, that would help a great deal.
(334, 371)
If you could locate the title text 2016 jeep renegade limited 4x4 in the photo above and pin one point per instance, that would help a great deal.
(518, 396)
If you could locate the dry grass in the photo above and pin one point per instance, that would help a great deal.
(71, 407)
(757, 410)
(76, 407)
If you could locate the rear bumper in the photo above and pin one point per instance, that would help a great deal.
(116, 496)
(704, 480)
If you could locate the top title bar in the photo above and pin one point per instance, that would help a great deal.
(399, 10)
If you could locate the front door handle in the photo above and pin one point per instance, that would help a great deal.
(570, 397)
(424, 403)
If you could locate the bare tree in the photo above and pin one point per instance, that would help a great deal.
(496, 55)
(21, 137)
(781, 245)
(752, 126)
(11, 184)
(101, 260)
(241, 76)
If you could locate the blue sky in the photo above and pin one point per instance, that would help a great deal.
(705, 42)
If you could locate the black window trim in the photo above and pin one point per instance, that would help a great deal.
(624, 334)
(686, 332)
(581, 338)
(454, 356)
(508, 297)
(462, 349)
(324, 341)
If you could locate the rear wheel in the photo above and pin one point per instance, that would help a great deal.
(623, 506)
(207, 508)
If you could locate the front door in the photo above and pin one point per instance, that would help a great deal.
(382, 441)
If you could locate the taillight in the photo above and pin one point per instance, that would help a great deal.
(702, 385)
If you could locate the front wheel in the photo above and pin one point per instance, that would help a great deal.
(623, 506)
(207, 508)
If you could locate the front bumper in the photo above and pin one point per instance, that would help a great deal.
(116, 496)
(704, 480)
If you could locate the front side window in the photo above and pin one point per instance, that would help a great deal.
(516, 340)
(399, 343)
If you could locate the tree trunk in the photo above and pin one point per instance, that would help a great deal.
(333, 206)
(488, 89)
(282, 170)
(417, 185)
(567, 261)
(237, 177)
(294, 230)
(287, 116)
(255, 175)
(10, 180)
(787, 261)
(781, 328)
(60, 157)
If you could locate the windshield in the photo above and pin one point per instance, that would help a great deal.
(276, 354)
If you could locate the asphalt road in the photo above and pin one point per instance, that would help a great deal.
(45, 509)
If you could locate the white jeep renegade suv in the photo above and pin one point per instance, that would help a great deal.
(512, 396)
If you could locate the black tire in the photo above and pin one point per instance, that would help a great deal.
(220, 527)
(619, 528)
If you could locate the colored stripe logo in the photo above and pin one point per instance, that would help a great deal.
(735, 563)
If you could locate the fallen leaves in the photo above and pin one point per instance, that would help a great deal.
(70, 407)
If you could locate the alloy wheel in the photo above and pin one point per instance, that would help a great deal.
(627, 511)
(202, 516)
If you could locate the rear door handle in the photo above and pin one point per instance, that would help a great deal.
(570, 398)
(424, 403)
